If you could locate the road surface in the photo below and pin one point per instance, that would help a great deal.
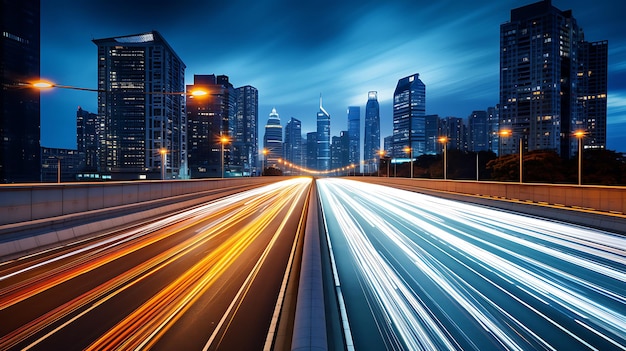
(417, 272)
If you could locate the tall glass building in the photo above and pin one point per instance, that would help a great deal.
(293, 141)
(142, 107)
(20, 152)
(209, 119)
(273, 139)
(354, 134)
(409, 109)
(371, 140)
(245, 138)
(552, 82)
(323, 139)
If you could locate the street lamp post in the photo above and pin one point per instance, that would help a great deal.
(382, 154)
(163, 152)
(409, 151)
(265, 152)
(444, 141)
(580, 134)
(223, 140)
(508, 133)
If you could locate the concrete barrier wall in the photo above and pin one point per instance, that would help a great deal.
(601, 198)
(28, 202)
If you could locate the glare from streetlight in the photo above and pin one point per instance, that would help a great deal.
(443, 139)
(579, 134)
(198, 92)
(43, 84)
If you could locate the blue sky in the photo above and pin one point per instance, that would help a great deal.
(292, 51)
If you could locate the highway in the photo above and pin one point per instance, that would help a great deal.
(415, 272)
(207, 278)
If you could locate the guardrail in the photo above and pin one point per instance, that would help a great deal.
(29, 202)
(610, 199)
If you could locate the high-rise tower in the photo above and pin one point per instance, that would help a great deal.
(245, 141)
(141, 106)
(323, 139)
(547, 75)
(354, 135)
(409, 109)
(273, 139)
(20, 159)
(293, 141)
(371, 140)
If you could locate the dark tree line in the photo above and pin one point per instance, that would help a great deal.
(600, 167)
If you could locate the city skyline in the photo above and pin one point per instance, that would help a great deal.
(360, 47)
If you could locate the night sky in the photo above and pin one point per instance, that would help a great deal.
(292, 51)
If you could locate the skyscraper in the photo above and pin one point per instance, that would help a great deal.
(87, 139)
(245, 141)
(208, 120)
(340, 150)
(323, 139)
(311, 150)
(544, 66)
(409, 109)
(293, 141)
(354, 134)
(141, 106)
(371, 141)
(20, 154)
(478, 131)
(273, 139)
(454, 129)
(593, 74)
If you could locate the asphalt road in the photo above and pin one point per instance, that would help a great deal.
(204, 279)
(417, 272)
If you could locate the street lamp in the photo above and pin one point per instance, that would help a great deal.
(223, 140)
(580, 134)
(382, 154)
(408, 151)
(507, 133)
(163, 152)
(265, 152)
(444, 141)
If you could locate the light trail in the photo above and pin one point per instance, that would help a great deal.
(233, 223)
(439, 274)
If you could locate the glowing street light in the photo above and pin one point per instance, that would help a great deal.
(444, 141)
(508, 133)
(265, 152)
(223, 140)
(408, 150)
(163, 152)
(580, 134)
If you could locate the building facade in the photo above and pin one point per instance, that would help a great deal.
(323, 139)
(273, 140)
(409, 109)
(209, 126)
(544, 66)
(142, 107)
(20, 154)
(87, 139)
(478, 131)
(293, 142)
(354, 133)
(371, 140)
(245, 138)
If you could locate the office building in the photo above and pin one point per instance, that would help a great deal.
(340, 150)
(432, 130)
(409, 109)
(478, 131)
(273, 140)
(371, 140)
(20, 154)
(87, 139)
(547, 75)
(354, 133)
(209, 126)
(245, 140)
(63, 165)
(311, 150)
(293, 142)
(142, 107)
(323, 139)
(454, 129)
